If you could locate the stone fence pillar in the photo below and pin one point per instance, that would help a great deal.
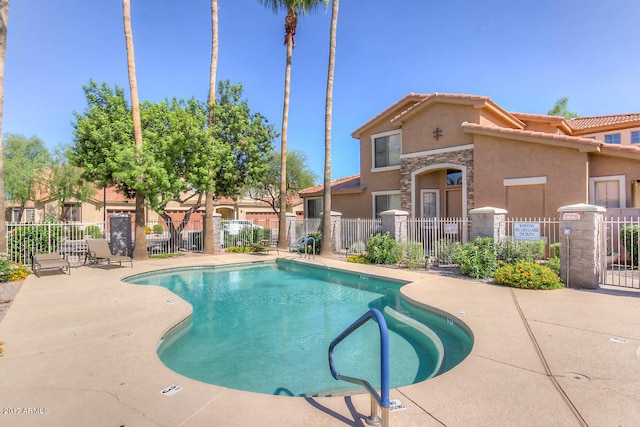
(291, 228)
(582, 245)
(217, 232)
(336, 231)
(394, 222)
(488, 222)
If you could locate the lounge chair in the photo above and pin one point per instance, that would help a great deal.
(49, 262)
(98, 250)
(264, 247)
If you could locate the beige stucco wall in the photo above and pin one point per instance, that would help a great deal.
(357, 205)
(360, 205)
(564, 169)
(417, 134)
(603, 166)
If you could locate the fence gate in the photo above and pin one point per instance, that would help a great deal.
(620, 265)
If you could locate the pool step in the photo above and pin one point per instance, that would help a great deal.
(424, 330)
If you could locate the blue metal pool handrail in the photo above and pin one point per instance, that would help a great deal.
(299, 242)
(383, 398)
(302, 242)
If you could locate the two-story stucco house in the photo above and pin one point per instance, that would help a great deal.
(441, 155)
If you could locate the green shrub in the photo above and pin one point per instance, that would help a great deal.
(11, 271)
(358, 259)
(309, 247)
(93, 231)
(445, 251)
(383, 249)
(510, 250)
(629, 237)
(527, 275)
(554, 265)
(477, 259)
(554, 248)
(41, 239)
(158, 229)
(413, 255)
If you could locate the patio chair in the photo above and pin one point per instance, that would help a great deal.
(98, 250)
(49, 262)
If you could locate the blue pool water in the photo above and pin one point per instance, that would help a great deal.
(267, 327)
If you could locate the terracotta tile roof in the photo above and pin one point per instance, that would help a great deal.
(340, 184)
(409, 98)
(426, 98)
(582, 143)
(539, 118)
(582, 123)
(578, 141)
(414, 102)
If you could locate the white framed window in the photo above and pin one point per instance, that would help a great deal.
(384, 201)
(430, 203)
(608, 191)
(386, 150)
(313, 207)
(635, 137)
(612, 138)
(28, 215)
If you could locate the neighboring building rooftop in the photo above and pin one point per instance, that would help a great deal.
(349, 183)
(584, 123)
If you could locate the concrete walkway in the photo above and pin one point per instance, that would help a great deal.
(80, 350)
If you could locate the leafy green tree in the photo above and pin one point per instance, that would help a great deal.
(560, 109)
(299, 176)
(292, 7)
(177, 160)
(64, 182)
(25, 160)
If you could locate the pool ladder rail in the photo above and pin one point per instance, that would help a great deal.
(382, 399)
(301, 242)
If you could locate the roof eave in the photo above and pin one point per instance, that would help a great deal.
(411, 97)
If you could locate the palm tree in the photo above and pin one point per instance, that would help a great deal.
(292, 7)
(4, 19)
(140, 248)
(207, 230)
(327, 247)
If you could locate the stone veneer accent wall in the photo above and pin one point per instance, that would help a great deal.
(410, 164)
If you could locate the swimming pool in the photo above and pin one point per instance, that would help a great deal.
(266, 328)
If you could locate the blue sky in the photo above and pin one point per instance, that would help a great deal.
(523, 54)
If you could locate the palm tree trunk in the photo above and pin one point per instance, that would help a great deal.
(4, 20)
(327, 240)
(207, 229)
(282, 230)
(140, 247)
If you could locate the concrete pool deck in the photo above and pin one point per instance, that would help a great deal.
(80, 350)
